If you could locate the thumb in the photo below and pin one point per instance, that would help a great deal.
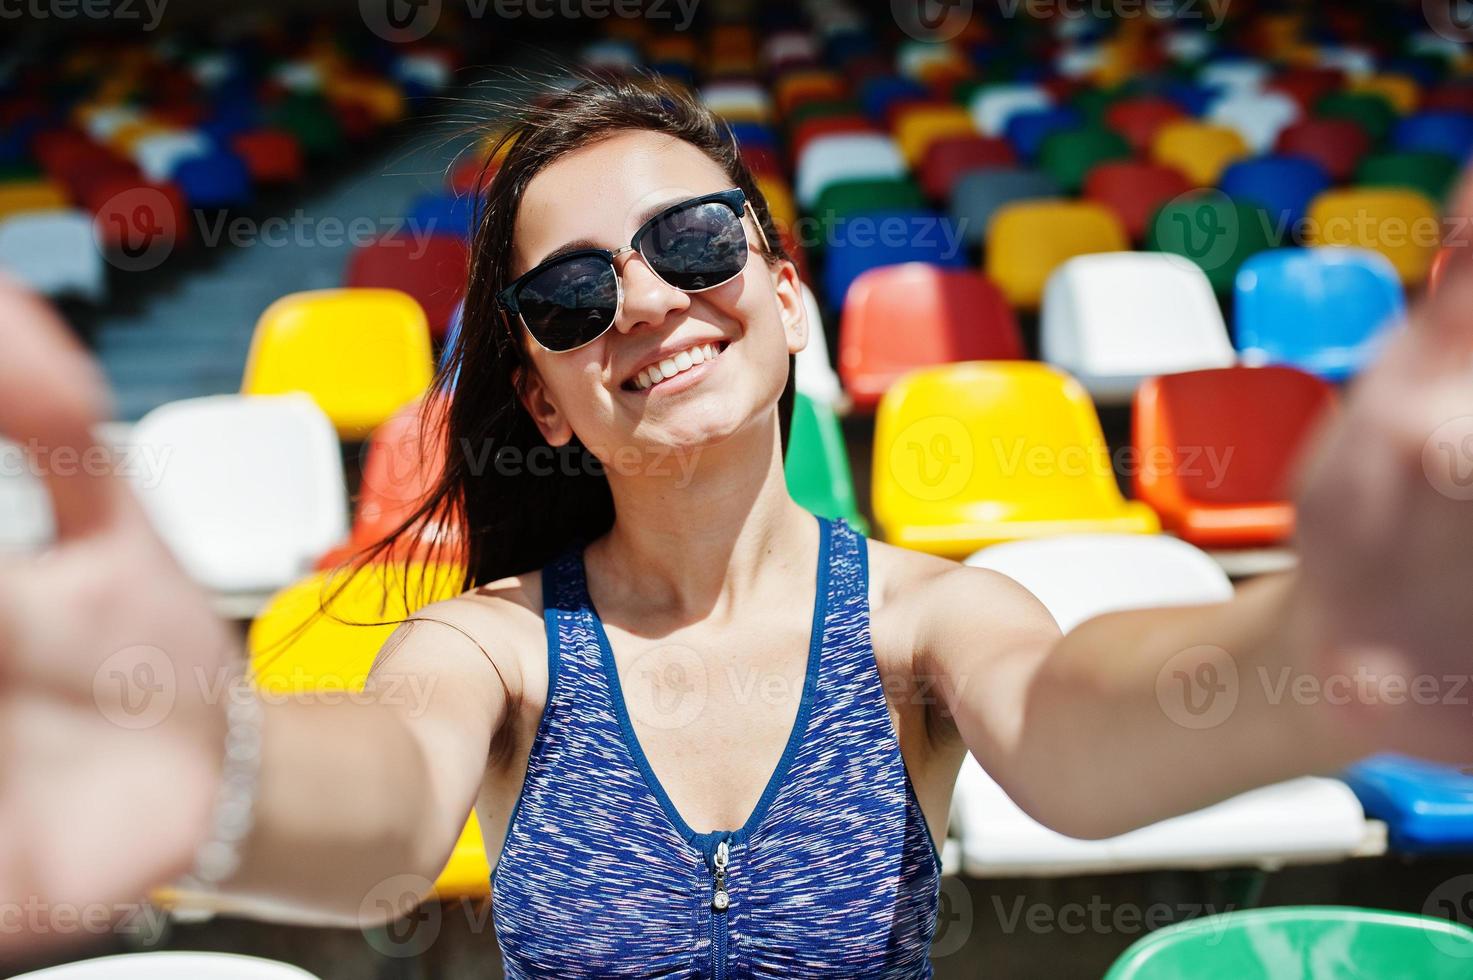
(51, 396)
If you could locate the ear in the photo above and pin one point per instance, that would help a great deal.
(537, 400)
(790, 306)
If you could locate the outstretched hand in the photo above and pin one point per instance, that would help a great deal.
(112, 666)
(1385, 531)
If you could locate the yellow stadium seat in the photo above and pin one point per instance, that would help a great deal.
(1201, 151)
(779, 201)
(794, 88)
(1402, 225)
(383, 100)
(31, 195)
(362, 354)
(919, 127)
(1401, 91)
(294, 651)
(673, 47)
(978, 452)
(1026, 241)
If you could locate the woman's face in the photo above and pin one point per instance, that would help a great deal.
(599, 196)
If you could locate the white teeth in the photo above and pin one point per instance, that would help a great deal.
(675, 364)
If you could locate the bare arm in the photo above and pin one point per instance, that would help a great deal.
(1137, 716)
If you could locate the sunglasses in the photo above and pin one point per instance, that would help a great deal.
(573, 299)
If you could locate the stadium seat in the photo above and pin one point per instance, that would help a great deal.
(848, 197)
(1429, 174)
(1201, 151)
(919, 126)
(159, 154)
(967, 455)
(1135, 191)
(877, 95)
(1322, 310)
(1078, 577)
(216, 179)
(917, 315)
(1068, 156)
(1028, 130)
(1114, 319)
(1427, 806)
(1307, 84)
(1282, 185)
(431, 268)
(816, 466)
(1335, 144)
(1028, 240)
(738, 100)
(271, 156)
(994, 105)
(1138, 119)
(444, 214)
(1402, 225)
(779, 199)
(1234, 75)
(1258, 117)
(1323, 942)
(26, 519)
(867, 240)
(249, 490)
(1215, 450)
(362, 354)
(949, 159)
(1215, 233)
(1368, 110)
(1446, 132)
(31, 195)
(54, 253)
(171, 965)
(295, 650)
(815, 374)
(979, 195)
(1401, 92)
(845, 157)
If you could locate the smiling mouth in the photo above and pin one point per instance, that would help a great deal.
(675, 365)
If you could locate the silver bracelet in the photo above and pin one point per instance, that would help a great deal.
(218, 858)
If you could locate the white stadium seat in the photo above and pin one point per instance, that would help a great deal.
(1235, 75)
(816, 376)
(158, 155)
(845, 156)
(54, 253)
(1078, 577)
(1113, 319)
(737, 98)
(993, 106)
(26, 522)
(249, 489)
(1258, 117)
(172, 965)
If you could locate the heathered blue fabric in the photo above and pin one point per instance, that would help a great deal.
(834, 874)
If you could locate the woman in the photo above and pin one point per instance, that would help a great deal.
(705, 733)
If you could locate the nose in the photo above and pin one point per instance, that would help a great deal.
(648, 299)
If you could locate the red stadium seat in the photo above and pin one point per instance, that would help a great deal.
(1335, 144)
(763, 160)
(136, 215)
(947, 159)
(1135, 191)
(271, 156)
(1449, 97)
(1215, 450)
(1308, 85)
(431, 268)
(1138, 119)
(902, 317)
(470, 175)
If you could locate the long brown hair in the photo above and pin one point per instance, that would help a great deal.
(503, 520)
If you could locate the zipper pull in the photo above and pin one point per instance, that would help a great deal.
(719, 898)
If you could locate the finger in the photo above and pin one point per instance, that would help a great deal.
(51, 396)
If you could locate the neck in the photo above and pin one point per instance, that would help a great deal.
(701, 536)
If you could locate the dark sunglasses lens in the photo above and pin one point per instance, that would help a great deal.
(570, 303)
(697, 246)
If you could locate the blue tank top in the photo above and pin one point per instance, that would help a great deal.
(833, 875)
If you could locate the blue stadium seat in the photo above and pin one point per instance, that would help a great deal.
(1281, 184)
(876, 95)
(1027, 130)
(1323, 310)
(1449, 133)
(849, 255)
(1427, 806)
(218, 179)
(442, 214)
(750, 135)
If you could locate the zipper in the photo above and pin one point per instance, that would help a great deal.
(720, 901)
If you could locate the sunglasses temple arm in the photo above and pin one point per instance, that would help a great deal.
(761, 233)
